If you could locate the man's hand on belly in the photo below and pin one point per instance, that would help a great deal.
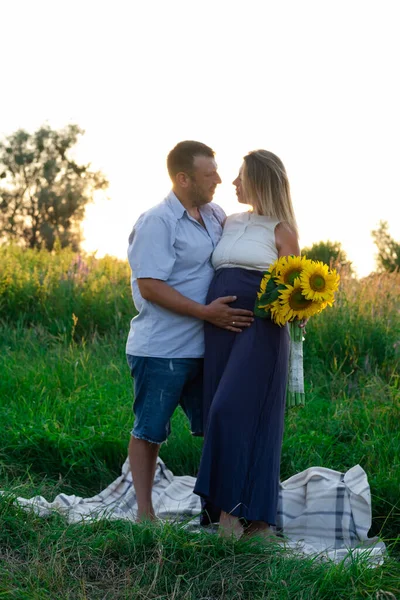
(220, 314)
(217, 312)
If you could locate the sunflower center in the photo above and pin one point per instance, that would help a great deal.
(297, 301)
(291, 275)
(317, 283)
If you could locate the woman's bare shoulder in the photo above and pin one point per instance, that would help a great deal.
(286, 239)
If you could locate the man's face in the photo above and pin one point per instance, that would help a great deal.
(203, 181)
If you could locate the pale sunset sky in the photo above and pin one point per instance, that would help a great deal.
(315, 81)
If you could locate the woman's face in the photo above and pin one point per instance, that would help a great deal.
(238, 185)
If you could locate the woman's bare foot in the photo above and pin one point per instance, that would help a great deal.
(260, 529)
(229, 526)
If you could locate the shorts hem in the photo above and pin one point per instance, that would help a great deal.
(147, 439)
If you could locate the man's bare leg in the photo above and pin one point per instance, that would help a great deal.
(229, 526)
(143, 460)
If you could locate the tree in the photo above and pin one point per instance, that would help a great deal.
(388, 258)
(328, 252)
(43, 191)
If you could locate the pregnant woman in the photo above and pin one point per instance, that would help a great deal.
(245, 373)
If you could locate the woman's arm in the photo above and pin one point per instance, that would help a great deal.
(287, 243)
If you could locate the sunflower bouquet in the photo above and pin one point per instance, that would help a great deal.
(295, 288)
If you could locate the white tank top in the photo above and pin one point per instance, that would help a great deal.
(248, 241)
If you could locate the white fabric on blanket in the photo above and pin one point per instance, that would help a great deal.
(320, 512)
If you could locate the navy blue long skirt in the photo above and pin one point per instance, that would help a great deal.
(245, 378)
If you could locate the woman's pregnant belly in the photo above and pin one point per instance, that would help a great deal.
(242, 283)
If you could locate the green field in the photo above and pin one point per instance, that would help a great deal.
(65, 410)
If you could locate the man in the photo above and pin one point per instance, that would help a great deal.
(169, 254)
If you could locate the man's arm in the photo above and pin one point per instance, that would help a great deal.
(217, 312)
(151, 256)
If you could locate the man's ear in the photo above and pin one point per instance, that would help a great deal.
(182, 179)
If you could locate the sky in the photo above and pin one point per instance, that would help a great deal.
(313, 81)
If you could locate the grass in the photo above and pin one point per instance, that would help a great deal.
(67, 414)
(65, 409)
(69, 294)
(47, 559)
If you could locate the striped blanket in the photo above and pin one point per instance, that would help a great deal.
(321, 511)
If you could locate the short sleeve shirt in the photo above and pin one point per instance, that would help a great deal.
(166, 243)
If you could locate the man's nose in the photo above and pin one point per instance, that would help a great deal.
(219, 180)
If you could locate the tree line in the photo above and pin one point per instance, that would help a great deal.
(44, 192)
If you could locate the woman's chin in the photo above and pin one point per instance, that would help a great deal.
(241, 201)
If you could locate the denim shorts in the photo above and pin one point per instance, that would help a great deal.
(160, 385)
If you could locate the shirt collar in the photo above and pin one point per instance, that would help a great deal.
(178, 209)
(175, 205)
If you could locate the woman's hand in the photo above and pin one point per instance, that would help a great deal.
(303, 323)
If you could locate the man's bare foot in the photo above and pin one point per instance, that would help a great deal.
(229, 526)
(145, 516)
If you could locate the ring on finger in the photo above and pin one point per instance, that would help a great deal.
(233, 323)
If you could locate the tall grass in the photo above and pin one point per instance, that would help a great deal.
(360, 335)
(77, 294)
(66, 415)
(65, 292)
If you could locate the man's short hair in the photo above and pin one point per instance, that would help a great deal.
(181, 158)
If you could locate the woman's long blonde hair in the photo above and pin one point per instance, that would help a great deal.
(266, 187)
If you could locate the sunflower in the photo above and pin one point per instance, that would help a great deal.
(264, 306)
(289, 269)
(263, 285)
(268, 282)
(276, 313)
(318, 282)
(294, 305)
(273, 267)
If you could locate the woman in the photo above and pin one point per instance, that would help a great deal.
(245, 373)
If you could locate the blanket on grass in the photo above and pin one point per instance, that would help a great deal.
(321, 512)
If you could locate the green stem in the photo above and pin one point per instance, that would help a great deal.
(296, 332)
(295, 398)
